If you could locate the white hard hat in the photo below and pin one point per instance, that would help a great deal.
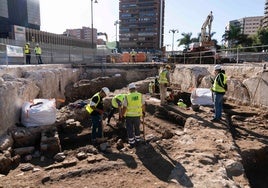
(132, 86)
(217, 67)
(105, 90)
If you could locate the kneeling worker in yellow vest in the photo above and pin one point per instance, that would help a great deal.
(117, 102)
(133, 109)
(95, 108)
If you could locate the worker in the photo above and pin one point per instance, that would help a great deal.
(181, 104)
(156, 85)
(117, 102)
(96, 108)
(133, 54)
(27, 52)
(133, 109)
(38, 52)
(151, 87)
(164, 81)
(219, 88)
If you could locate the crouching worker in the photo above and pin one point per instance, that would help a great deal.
(95, 108)
(133, 109)
(117, 102)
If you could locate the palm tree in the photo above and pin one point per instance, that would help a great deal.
(232, 35)
(186, 40)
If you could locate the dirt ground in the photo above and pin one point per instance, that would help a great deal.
(150, 163)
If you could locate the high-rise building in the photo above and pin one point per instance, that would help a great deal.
(25, 13)
(248, 25)
(265, 18)
(141, 25)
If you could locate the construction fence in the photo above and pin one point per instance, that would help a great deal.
(11, 53)
(230, 55)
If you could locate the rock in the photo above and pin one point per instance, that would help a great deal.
(45, 179)
(36, 169)
(5, 164)
(103, 146)
(167, 134)
(6, 141)
(69, 163)
(81, 155)
(16, 160)
(27, 167)
(234, 168)
(24, 150)
(59, 157)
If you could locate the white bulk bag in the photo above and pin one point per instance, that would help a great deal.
(201, 96)
(38, 112)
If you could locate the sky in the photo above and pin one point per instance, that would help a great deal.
(185, 16)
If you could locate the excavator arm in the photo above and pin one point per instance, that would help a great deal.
(206, 36)
(105, 34)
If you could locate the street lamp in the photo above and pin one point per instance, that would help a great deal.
(92, 29)
(173, 31)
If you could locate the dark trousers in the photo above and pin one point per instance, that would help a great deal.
(133, 129)
(96, 127)
(111, 113)
(39, 59)
(218, 103)
(28, 58)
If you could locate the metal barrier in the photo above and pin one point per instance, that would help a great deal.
(52, 54)
(230, 55)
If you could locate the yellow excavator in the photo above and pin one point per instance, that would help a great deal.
(203, 51)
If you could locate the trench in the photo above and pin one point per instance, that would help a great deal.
(255, 161)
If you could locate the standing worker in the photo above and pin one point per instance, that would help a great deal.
(164, 82)
(38, 52)
(151, 88)
(96, 108)
(133, 55)
(156, 85)
(117, 102)
(133, 109)
(27, 52)
(219, 88)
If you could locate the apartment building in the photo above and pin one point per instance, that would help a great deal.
(82, 33)
(248, 25)
(141, 25)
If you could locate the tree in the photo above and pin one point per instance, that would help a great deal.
(263, 36)
(232, 35)
(186, 40)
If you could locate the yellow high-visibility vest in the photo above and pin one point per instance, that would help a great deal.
(119, 97)
(27, 49)
(134, 107)
(38, 50)
(163, 77)
(218, 87)
(88, 106)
